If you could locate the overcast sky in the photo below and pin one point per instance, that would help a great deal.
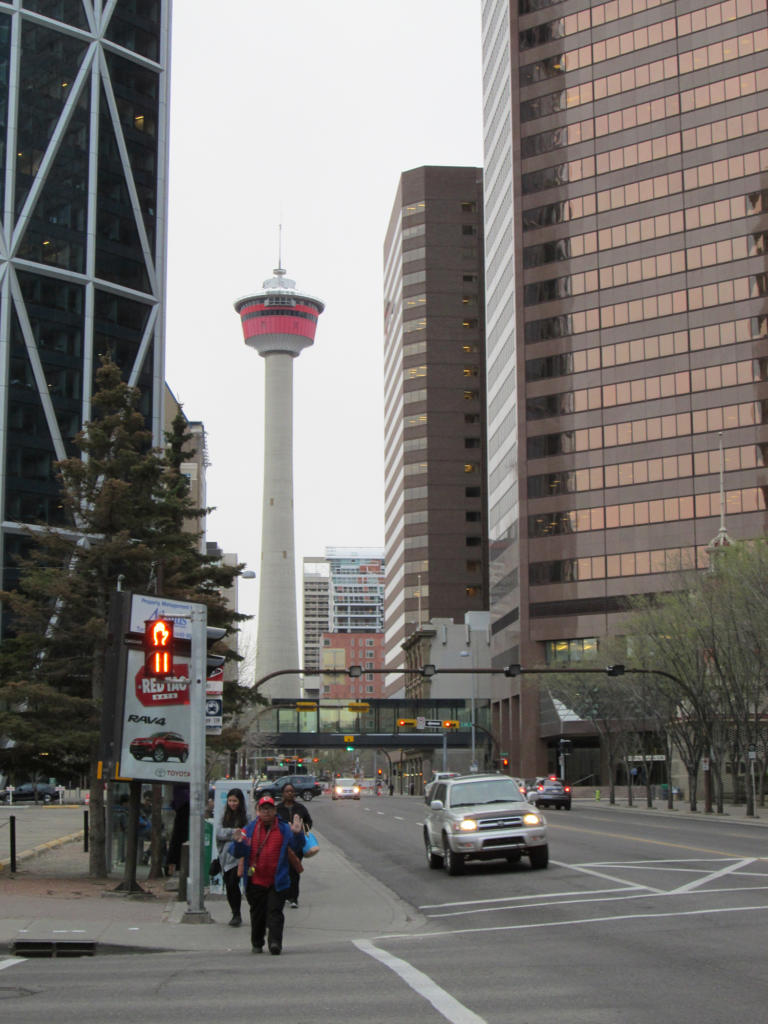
(303, 113)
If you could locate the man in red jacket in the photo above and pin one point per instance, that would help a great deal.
(267, 846)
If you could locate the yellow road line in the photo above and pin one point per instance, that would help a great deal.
(643, 839)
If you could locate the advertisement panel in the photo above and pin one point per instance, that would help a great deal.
(156, 712)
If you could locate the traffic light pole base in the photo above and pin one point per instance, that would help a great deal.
(196, 917)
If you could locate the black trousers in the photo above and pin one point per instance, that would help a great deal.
(234, 895)
(266, 914)
(292, 895)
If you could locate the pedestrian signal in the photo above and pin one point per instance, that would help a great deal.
(158, 648)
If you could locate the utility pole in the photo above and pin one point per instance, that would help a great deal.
(196, 912)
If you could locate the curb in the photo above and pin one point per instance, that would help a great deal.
(42, 848)
(727, 817)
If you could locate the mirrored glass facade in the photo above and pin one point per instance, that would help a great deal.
(627, 305)
(83, 143)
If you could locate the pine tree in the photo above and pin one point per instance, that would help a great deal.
(127, 506)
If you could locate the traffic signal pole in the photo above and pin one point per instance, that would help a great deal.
(196, 912)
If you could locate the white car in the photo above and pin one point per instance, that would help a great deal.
(482, 817)
(436, 776)
(345, 789)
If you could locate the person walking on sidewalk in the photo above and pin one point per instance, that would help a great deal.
(233, 821)
(285, 811)
(267, 844)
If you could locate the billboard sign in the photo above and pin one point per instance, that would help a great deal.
(156, 712)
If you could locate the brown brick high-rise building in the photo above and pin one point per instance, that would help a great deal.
(434, 371)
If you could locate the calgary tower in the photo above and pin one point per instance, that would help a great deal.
(279, 322)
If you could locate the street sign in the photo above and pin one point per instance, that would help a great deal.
(421, 722)
(433, 723)
(465, 725)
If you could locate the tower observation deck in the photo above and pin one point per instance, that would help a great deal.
(279, 322)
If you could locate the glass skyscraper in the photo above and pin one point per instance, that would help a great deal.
(84, 109)
(626, 153)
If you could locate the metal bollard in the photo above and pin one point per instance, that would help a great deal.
(183, 873)
(85, 831)
(12, 837)
(597, 794)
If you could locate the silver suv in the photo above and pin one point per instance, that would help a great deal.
(482, 817)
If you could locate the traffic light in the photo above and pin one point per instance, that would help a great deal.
(158, 648)
(450, 723)
(565, 746)
(406, 721)
(379, 772)
(505, 763)
(350, 746)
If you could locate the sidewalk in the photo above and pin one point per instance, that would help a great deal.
(51, 899)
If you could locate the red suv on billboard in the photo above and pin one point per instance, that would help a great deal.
(160, 746)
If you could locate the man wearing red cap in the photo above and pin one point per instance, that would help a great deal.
(267, 846)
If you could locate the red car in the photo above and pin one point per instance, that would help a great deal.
(160, 746)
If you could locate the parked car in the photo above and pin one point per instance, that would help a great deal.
(160, 746)
(549, 791)
(345, 789)
(482, 817)
(27, 791)
(306, 786)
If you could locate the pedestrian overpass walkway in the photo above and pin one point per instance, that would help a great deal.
(378, 723)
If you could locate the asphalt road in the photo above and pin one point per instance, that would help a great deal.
(638, 920)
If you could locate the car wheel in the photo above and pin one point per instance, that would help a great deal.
(567, 807)
(539, 857)
(307, 795)
(158, 754)
(47, 798)
(539, 804)
(452, 862)
(183, 756)
(434, 860)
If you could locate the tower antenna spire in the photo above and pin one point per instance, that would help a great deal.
(279, 270)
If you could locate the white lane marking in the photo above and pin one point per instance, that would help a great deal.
(398, 818)
(556, 901)
(512, 899)
(727, 870)
(12, 962)
(422, 984)
(450, 933)
(602, 874)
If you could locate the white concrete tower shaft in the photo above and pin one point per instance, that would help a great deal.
(279, 322)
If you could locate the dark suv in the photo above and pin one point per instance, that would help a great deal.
(549, 791)
(41, 792)
(306, 786)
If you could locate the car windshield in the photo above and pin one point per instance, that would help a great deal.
(485, 791)
(345, 782)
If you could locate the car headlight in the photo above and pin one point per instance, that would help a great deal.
(467, 825)
(531, 819)
(355, 789)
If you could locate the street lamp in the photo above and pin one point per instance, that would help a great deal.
(473, 677)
